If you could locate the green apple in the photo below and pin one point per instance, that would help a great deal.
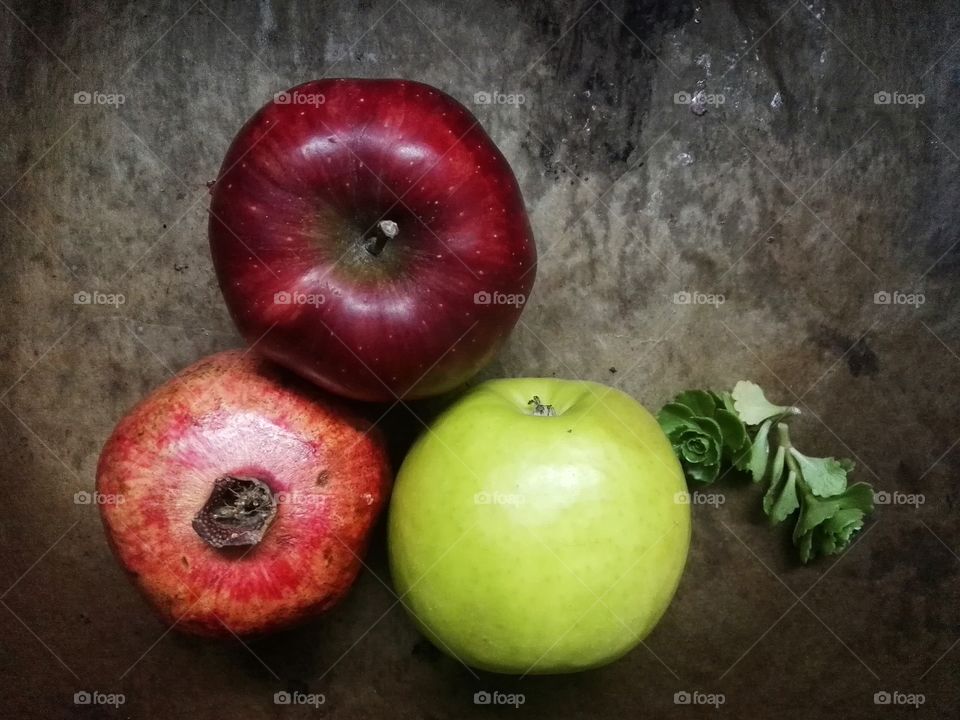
(539, 526)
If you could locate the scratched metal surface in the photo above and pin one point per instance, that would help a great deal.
(796, 196)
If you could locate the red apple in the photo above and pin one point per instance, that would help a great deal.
(239, 499)
(369, 235)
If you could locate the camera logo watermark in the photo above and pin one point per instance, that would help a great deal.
(897, 697)
(898, 297)
(83, 697)
(298, 298)
(495, 97)
(298, 698)
(295, 97)
(884, 97)
(498, 298)
(882, 497)
(96, 97)
(483, 697)
(697, 498)
(98, 298)
(684, 697)
(83, 497)
(686, 297)
(497, 498)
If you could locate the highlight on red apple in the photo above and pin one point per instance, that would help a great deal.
(370, 236)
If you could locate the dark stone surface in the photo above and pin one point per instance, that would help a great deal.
(798, 198)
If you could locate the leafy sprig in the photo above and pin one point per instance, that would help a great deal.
(743, 430)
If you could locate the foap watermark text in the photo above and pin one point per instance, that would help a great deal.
(97, 97)
(298, 298)
(283, 697)
(95, 697)
(886, 97)
(95, 297)
(498, 298)
(884, 497)
(898, 297)
(83, 497)
(497, 498)
(687, 297)
(701, 98)
(684, 697)
(696, 498)
(484, 697)
(898, 697)
(295, 97)
(496, 97)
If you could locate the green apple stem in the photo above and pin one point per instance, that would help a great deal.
(383, 231)
(238, 512)
(539, 409)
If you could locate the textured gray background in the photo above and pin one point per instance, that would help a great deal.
(797, 210)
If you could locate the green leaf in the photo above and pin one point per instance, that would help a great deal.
(816, 510)
(753, 408)
(699, 401)
(833, 536)
(735, 438)
(696, 439)
(825, 526)
(694, 446)
(726, 400)
(838, 530)
(805, 546)
(776, 474)
(673, 416)
(824, 476)
(787, 502)
(702, 473)
(760, 452)
(710, 428)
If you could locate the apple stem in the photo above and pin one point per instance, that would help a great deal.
(238, 512)
(383, 231)
(539, 409)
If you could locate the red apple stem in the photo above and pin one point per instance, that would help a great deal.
(238, 512)
(539, 409)
(382, 231)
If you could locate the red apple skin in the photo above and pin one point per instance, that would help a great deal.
(303, 185)
(235, 414)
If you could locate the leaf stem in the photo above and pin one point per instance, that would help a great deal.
(783, 440)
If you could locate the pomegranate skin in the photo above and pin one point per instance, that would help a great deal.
(234, 415)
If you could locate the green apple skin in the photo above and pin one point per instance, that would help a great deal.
(539, 544)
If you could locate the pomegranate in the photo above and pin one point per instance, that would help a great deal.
(239, 499)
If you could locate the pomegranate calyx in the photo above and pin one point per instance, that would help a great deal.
(238, 512)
